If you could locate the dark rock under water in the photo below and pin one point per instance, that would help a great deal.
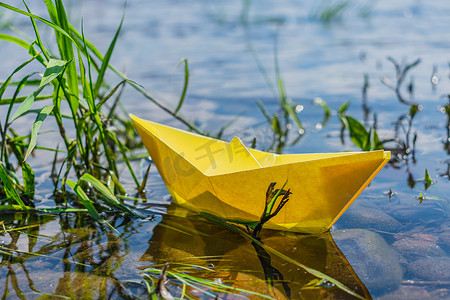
(375, 262)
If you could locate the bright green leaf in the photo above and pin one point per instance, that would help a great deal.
(45, 111)
(8, 185)
(53, 69)
(427, 179)
(413, 110)
(28, 180)
(421, 197)
(358, 133)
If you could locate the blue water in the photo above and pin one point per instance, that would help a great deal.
(222, 42)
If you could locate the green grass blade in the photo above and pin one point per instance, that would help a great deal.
(66, 50)
(45, 111)
(133, 84)
(323, 104)
(36, 32)
(106, 59)
(276, 126)
(51, 10)
(28, 180)
(47, 22)
(8, 185)
(123, 150)
(144, 180)
(21, 84)
(309, 270)
(264, 111)
(26, 104)
(54, 69)
(84, 82)
(109, 197)
(117, 183)
(69, 160)
(8, 80)
(7, 101)
(93, 109)
(196, 282)
(88, 204)
(13, 207)
(60, 30)
(281, 90)
(326, 109)
(291, 112)
(186, 82)
(62, 210)
(107, 97)
(15, 40)
(343, 108)
(88, 90)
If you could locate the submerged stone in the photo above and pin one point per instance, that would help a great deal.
(413, 248)
(419, 215)
(431, 268)
(373, 260)
(407, 292)
(444, 240)
(359, 216)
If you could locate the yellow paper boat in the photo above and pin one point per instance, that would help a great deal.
(229, 180)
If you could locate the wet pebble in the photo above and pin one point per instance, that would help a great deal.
(444, 240)
(411, 214)
(432, 268)
(418, 246)
(359, 216)
(375, 262)
(445, 226)
(407, 292)
(441, 293)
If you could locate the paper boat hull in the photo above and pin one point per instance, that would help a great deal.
(230, 181)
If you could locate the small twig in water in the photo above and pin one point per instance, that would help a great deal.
(161, 289)
(400, 77)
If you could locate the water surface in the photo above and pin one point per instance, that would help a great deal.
(388, 246)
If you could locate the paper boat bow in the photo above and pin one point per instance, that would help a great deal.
(230, 180)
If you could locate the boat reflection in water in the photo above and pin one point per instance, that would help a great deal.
(230, 258)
